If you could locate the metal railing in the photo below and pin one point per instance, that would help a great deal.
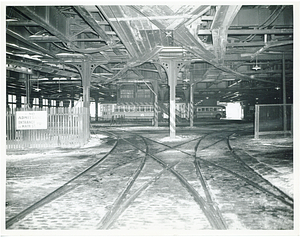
(271, 119)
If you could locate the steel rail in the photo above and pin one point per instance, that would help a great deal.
(68, 186)
(237, 157)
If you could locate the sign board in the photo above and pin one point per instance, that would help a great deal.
(28, 120)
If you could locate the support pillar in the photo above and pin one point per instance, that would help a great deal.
(86, 83)
(27, 87)
(186, 101)
(191, 103)
(49, 103)
(96, 108)
(72, 97)
(284, 96)
(172, 67)
(172, 84)
(18, 101)
(40, 102)
(155, 87)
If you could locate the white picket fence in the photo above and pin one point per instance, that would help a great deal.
(64, 129)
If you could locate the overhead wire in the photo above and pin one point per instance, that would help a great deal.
(265, 24)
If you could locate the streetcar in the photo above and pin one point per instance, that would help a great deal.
(215, 111)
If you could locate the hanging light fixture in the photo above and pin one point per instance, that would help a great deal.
(256, 67)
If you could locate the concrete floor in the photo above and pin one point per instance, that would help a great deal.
(32, 174)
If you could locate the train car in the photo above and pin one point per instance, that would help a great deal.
(135, 101)
(210, 111)
(141, 111)
(134, 111)
(138, 111)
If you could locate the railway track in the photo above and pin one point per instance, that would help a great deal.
(68, 186)
(209, 211)
(242, 173)
(143, 164)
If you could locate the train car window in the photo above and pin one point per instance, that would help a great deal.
(126, 94)
(143, 93)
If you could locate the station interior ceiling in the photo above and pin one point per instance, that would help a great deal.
(230, 52)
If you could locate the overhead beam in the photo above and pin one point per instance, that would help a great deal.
(133, 63)
(269, 45)
(49, 18)
(121, 28)
(92, 23)
(25, 41)
(251, 31)
(147, 16)
(222, 20)
(194, 15)
(42, 68)
(22, 23)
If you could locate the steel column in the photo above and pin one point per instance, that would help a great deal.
(191, 103)
(155, 87)
(284, 95)
(28, 89)
(172, 83)
(96, 108)
(86, 83)
(172, 67)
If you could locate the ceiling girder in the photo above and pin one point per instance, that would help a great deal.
(251, 31)
(122, 29)
(92, 23)
(223, 18)
(25, 41)
(49, 18)
(136, 34)
(198, 12)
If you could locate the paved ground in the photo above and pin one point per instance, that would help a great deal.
(32, 174)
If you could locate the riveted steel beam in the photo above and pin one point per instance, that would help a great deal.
(48, 17)
(31, 44)
(86, 15)
(223, 18)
